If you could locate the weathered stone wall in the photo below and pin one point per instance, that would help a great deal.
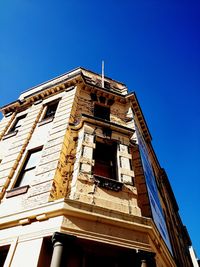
(18, 145)
(48, 183)
(82, 184)
(5, 123)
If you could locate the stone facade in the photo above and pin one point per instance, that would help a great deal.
(89, 189)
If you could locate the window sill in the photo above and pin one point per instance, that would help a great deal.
(108, 183)
(17, 191)
(45, 121)
(10, 134)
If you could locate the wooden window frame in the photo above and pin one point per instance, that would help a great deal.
(108, 160)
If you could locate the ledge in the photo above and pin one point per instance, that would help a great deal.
(107, 183)
(108, 124)
(10, 134)
(45, 121)
(17, 191)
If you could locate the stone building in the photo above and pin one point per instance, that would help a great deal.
(80, 184)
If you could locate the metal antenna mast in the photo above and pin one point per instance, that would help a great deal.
(102, 77)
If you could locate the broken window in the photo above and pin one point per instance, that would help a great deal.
(102, 112)
(105, 160)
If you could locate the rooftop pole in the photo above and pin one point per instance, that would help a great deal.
(102, 79)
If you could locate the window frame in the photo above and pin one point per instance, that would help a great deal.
(113, 160)
(14, 126)
(24, 168)
(49, 117)
(13, 130)
(17, 188)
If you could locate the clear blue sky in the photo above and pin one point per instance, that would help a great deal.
(151, 45)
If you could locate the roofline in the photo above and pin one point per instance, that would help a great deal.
(51, 80)
(60, 76)
(106, 77)
(48, 84)
(138, 104)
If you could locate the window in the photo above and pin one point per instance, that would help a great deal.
(3, 254)
(45, 253)
(50, 110)
(28, 171)
(106, 85)
(105, 160)
(102, 112)
(17, 124)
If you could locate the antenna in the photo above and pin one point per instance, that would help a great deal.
(102, 77)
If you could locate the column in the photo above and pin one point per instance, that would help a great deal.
(146, 258)
(143, 263)
(60, 242)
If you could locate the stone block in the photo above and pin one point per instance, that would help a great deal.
(126, 179)
(87, 152)
(85, 168)
(56, 133)
(54, 142)
(35, 201)
(47, 167)
(49, 158)
(125, 163)
(125, 155)
(5, 173)
(51, 150)
(40, 178)
(15, 150)
(127, 172)
(12, 157)
(7, 165)
(40, 189)
(18, 144)
(2, 181)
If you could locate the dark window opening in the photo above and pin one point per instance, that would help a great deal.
(3, 254)
(102, 112)
(45, 253)
(17, 124)
(105, 160)
(50, 110)
(106, 85)
(28, 171)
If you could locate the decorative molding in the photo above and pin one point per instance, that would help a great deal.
(108, 183)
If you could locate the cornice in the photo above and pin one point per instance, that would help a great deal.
(91, 213)
(139, 114)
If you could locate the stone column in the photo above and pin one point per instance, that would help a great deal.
(146, 258)
(59, 241)
(143, 263)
